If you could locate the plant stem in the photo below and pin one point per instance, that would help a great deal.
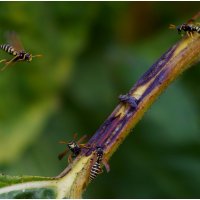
(125, 116)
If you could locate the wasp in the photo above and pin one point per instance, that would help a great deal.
(16, 49)
(96, 168)
(189, 28)
(74, 147)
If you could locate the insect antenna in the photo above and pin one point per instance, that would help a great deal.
(63, 142)
(39, 55)
(172, 26)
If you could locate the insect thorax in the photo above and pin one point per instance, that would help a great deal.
(99, 151)
(190, 28)
(75, 149)
(22, 55)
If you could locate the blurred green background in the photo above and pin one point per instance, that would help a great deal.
(94, 51)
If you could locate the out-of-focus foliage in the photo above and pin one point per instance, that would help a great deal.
(93, 51)
(47, 191)
(42, 193)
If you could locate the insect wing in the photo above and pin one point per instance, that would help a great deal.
(192, 20)
(61, 155)
(82, 139)
(93, 160)
(75, 136)
(14, 41)
(107, 166)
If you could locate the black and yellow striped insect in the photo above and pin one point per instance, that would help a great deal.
(189, 28)
(16, 49)
(74, 147)
(96, 168)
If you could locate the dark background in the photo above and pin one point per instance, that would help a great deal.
(94, 51)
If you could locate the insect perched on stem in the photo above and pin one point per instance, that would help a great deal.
(74, 147)
(16, 49)
(189, 28)
(96, 168)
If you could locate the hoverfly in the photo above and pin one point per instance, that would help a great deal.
(189, 27)
(16, 49)
(74, 147)
(96, 167)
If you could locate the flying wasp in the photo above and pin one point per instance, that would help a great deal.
(189, 28)
(96, 168)
(16, 49)
(74, 147)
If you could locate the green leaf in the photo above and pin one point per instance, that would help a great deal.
(28, 187)
(41, 193)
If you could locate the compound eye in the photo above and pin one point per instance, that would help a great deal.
(28, 57)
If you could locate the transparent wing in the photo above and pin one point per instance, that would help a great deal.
(195, 17)
(105, 163)
(13, 40)
(61, 155)
(82, 139)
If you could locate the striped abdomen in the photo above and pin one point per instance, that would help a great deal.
(95, 171)
(9, 49)
(197, 29)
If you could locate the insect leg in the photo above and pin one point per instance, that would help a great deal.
(100, 171)
(69, 158)
(4, 60)
(8, 63)
(5, 66)
(189, 34)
